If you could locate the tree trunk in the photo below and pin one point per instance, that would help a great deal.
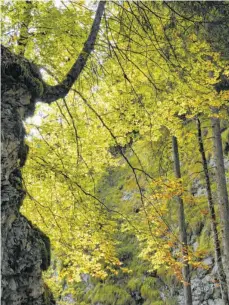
(218, 257)
(222, 192)
(25, 250)
(182, 229)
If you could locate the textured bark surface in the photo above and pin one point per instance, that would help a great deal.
(222, 192)
(25, 249)
(218, 256)
(182, 230)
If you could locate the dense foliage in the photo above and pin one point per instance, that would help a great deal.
(99, 178)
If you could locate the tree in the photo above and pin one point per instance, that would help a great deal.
(182, 229)
(218, 255)
(222, 191)
(22, 85)
(151, 68)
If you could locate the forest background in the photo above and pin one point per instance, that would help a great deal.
(100, 176)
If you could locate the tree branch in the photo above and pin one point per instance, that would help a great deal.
(52, 93)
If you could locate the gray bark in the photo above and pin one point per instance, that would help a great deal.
(218, 256)
(222, 192)
(182, 228)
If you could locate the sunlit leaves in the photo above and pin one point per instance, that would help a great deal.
(100, 160)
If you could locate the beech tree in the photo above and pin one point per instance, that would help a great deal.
(22, 85)
(222, 191)
(153, 68)
(218, 252)
(182, 228)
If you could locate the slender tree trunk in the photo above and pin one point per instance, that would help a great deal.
(222, 192)
(182, 228)
(218, 257)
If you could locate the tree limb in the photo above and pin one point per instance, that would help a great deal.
(52, 93)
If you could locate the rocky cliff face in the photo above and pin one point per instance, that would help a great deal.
(25, 249)
(152, 289)
(205, 286)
